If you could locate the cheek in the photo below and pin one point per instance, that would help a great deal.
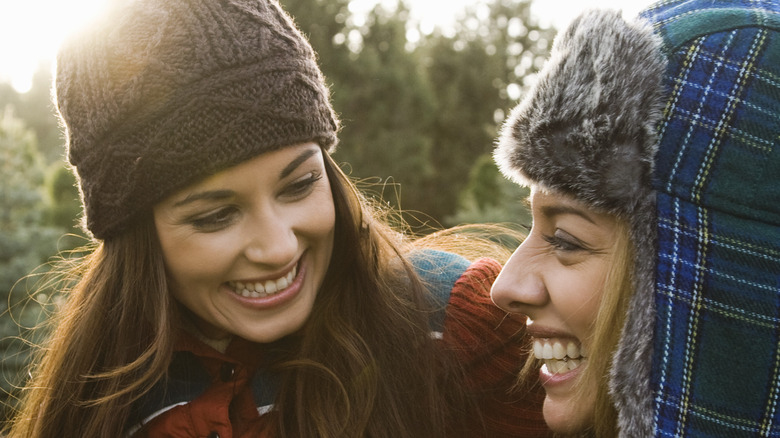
(592, 287)
(320, 214)
(579, 296)
(195, 259)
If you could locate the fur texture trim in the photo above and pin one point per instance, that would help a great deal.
(589, 129)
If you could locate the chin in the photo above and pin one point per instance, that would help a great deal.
(568, 417)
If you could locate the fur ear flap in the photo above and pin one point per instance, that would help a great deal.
(588, 126)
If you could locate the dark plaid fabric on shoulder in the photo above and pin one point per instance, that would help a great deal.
(716, 364)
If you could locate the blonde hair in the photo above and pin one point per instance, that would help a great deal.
(607, 329)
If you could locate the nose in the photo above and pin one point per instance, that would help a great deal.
(271, 240)
(520, 286)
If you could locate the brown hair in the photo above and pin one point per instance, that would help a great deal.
(364, 353)
(367, 348)
(110, 342)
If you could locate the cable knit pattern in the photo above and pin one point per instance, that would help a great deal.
(493, 347)
(158, 95)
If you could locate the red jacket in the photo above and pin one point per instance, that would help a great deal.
(204, 383)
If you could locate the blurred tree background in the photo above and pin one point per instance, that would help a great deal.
(420, 112)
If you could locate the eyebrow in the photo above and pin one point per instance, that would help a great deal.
(556, 210)
(216, 195)
(288, 169)
(213, 195)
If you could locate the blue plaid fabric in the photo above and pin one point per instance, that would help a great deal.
(716, 363)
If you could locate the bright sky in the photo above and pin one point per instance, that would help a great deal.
(31, 30)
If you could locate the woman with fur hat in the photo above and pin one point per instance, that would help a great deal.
(239, 285)
(651, 275)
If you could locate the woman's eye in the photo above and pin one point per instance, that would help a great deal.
(214, 221)
(302, 187)
(564, 243)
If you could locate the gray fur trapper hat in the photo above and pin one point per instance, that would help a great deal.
(588, 126)
(161, 93)
(588, 129)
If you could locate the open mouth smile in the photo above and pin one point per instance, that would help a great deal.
(260, 289)
(560, 356)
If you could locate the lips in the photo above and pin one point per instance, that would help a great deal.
(261, 289)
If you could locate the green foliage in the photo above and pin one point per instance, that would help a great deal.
(37, 110)
(25, 243)
(388, 117)
(64, 206)
(472, 70)
(416, 115)
(420, 115)
(491, 198)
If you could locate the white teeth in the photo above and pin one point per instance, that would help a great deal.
(547, 352)
(263, 289)
(561, 366)
(559, 356)
(558, 351)
(556, 366)
(538, 350)
(549, 349)
(572, 350)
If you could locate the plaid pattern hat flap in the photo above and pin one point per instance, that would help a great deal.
(716, 361)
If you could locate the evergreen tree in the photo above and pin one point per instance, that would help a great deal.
(379, 90)
(390, 113)
(416, 115)
(36, 109)
(491, 51)
(420, 115)
(25, 243)
(63, 210)
(491, 198)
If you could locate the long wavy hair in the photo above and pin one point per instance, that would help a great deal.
(364, 364)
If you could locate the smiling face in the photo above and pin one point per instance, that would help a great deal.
(247, 249)
(556, 277)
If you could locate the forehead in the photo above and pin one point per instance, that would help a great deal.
(263, 170)
(550, 204)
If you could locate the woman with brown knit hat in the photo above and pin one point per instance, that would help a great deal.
(651, 275)
(239, 285)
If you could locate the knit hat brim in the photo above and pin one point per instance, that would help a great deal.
(159, 94)
(217, 128)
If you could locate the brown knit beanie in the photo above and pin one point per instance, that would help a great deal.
(161, 93)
